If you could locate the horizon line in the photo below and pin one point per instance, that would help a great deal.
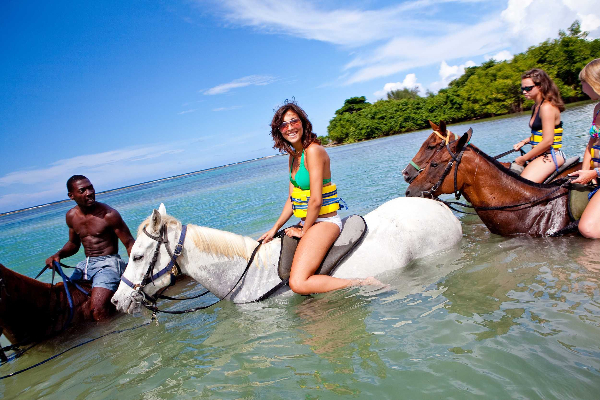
(2, 214)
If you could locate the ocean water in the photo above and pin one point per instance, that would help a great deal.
(492, 318)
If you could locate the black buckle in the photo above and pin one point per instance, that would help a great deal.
(177, 250)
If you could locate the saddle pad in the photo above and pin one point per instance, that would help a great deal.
(354, 229)
(578, 199)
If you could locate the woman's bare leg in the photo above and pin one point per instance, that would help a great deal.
(541, 168)
(589, 224)
(309, 254)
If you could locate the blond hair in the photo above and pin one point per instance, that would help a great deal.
(591, 74)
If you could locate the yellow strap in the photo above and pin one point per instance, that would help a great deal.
(446, 139)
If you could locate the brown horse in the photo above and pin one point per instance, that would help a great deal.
(31, 310)
(437, 141)
(506, 203)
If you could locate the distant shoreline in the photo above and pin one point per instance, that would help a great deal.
(142, 184)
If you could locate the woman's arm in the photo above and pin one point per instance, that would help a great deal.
(316, 157)
(587, 156)
(547, 115)
(285, 215)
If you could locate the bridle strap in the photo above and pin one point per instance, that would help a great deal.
(455, 159)
(171, 267)
(152, 306)
(445, 140)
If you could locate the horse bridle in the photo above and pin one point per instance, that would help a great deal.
(172, 267)
(455, 158)
(444, 140)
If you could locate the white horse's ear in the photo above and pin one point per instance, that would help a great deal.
(155, 221)
(162, 210)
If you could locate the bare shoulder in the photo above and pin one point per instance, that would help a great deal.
(548, 108)
(111, 215)
(71, 215)
(316, 150)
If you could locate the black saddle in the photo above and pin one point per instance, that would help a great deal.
(569, 162)
(354, 229)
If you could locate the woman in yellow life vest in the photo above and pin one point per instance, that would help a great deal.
(546, 127)
(589, 224)
(312, 197)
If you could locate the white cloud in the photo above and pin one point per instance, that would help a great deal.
(504, 55)
(227, 108)
(110, 169)
(302, 18)
(187, 111)
(416, 33)
(409, 82)
(89, 162)
(533, 21)
(448, 73)
(251, 80)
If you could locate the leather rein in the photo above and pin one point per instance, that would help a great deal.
(457, 158)
(173, 268)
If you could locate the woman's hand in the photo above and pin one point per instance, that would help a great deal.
(520, 144)
(294, 231)
(520, 160)
(267, 237)
(584, 176)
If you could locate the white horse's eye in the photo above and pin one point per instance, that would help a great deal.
(137, 257)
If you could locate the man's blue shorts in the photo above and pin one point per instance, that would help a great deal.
(103, 271)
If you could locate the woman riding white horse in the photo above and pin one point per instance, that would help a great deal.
(399, 231)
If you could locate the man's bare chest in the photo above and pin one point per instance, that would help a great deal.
(91, 226)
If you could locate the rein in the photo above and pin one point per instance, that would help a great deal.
(150, 301)
(455, 158)
(457, 194)
(172, 267)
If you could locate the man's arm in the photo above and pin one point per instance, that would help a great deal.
(70, 248)
(121, 229)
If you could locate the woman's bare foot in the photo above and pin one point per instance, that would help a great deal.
(370, 281)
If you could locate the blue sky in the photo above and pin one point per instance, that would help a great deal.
(130, 91)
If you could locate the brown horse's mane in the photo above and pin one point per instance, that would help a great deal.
(512, 174)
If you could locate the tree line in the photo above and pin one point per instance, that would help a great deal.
(487, 90)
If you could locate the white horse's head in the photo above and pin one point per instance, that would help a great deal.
(127, 298)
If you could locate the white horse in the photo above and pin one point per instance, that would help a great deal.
(399, 231)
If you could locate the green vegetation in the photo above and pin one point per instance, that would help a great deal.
(488, 90)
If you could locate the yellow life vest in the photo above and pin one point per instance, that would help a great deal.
(595, 153)
(536, 138)
(300, 198)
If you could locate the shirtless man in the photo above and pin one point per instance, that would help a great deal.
(98, 227)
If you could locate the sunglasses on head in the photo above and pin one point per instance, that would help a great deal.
(527, 88)
(294, 122)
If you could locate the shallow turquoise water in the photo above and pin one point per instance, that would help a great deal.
(495, 317)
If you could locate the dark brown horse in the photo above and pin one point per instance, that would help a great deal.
(31, 310)
(437, 141)
(505, 202)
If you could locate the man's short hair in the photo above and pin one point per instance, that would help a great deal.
(74, 179)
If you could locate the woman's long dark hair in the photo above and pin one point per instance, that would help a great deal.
(308, 136)
(547, 86)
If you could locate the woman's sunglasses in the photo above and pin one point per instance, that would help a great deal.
(285, 124)
(527, 88)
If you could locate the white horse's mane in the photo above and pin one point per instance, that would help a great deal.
(208, 240)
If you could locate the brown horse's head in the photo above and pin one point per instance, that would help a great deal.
(433, 178)
(434, 143)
